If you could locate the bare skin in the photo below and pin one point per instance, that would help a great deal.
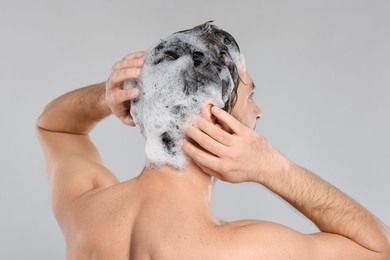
(163, 214)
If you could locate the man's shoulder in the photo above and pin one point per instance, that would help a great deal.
(104, 195)
(88, 209)
(109, 190)
(257, 239)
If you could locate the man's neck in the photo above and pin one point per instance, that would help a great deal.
(190, 185)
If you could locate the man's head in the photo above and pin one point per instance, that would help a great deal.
(181, 74)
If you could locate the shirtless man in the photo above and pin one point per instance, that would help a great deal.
(165, 213)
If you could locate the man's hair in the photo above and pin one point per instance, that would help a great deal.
(225, 55)
(180, 73)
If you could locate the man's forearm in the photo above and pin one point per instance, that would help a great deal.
(76, 112)
(330, 209)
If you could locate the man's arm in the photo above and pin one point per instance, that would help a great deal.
(331, 210)
(349, 231)
(76, 112)
(73, 163)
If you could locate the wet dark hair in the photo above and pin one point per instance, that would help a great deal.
(207, 66)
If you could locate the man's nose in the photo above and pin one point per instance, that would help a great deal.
(259, 113)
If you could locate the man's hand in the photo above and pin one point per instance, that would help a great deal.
(237, 155)
(118, 98)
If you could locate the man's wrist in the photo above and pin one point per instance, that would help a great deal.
(278, 166)
(104, 108)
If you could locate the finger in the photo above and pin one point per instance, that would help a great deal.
(135, 55)
(211, 172)
(121, 110)
(119, 76)
(206, 142)
(128, 120)
(228, 119)
(128, 63)
(214, 131)
(122, 95)
(200, 157)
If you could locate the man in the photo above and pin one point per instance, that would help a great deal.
(165, 213)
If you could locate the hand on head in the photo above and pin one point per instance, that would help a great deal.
(233, 153)
(118, 98)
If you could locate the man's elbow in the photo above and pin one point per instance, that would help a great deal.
(39, 123)
(42, 119)
(43, 124)
(48, 120)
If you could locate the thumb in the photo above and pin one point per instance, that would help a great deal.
(211, 172)
(128, 120)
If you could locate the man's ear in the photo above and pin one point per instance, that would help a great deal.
(206, 111)
(209, 116)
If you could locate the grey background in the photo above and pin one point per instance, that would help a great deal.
(322, 69)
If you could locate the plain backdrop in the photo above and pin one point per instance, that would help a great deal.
(322, 70)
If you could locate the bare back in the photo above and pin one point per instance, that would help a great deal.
(102, 218)
(127, 221)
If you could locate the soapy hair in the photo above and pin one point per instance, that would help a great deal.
(228, 52)
(180, 74)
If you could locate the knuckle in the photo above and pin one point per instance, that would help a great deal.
(235, 155)
(132, 62)
(223, 168)
(216, 133)
(230, 156)
(115, 95)
(197, 157)
(114, 78)
(218, 168)
(127, 63)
